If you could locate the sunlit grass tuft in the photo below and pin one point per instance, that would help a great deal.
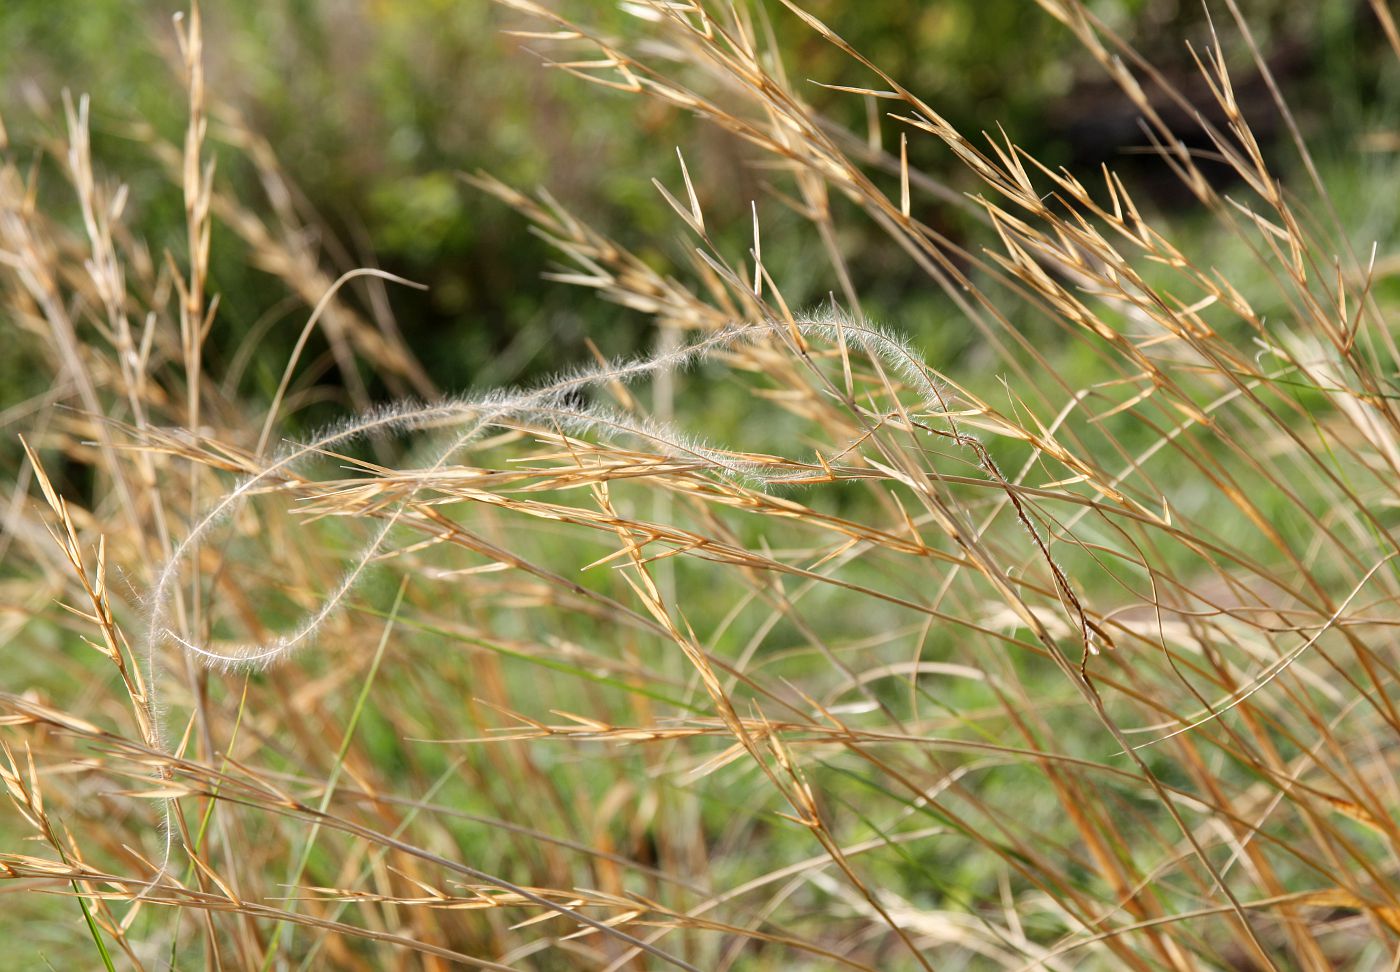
(780, 645)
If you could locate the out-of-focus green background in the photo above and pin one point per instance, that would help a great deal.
(373, 108)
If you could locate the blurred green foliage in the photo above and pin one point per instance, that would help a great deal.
(373, 107)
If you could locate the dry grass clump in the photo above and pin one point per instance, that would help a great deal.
(920, 665)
